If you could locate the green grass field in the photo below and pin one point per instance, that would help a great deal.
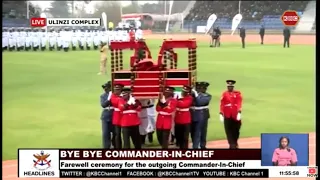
(51, 99)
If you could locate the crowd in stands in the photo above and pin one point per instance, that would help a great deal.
(250, 10)
(14, 13)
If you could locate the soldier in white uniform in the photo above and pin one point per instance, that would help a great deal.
(111, 35)
(17, 34)
(152, 120)
(18, 39)
(139, 34)
(5, 39)
(28, 39)
(144, 120)
(88, 39)
(52, 39)
(12, 39)
(66, 39)
(74, 39)
(96, 39)
(82, 42)
(59, 34)
(103, 35)
(125, 35)
(22, 38)
(43, 39)
(35, 39)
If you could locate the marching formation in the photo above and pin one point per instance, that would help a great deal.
(34, 39)
(174, 118)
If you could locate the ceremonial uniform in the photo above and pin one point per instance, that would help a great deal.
(23, 36)
(103, 36)
(125, 35)
(129, 120)
(59, 39)
(143, 116)
(43, 37)
(103, 59)
(117, 35)
(96, 39)
(116, 116)
(19, 40)
(52, 39)
(36, 39)
(200, 116)
(132, 35)
(66, 39)
(152, 122)
(28, 39)
(166, 108)
(82, 42)
(88, 39)
(286, 35)
(139, 34)
(5, 39)
(111, 36)
(12, 40)
(74, 39)
(230, 113)
(183, 118)
(261, 33)
(106, 116)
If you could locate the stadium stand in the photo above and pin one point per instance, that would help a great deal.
(254, 13)
(14, 13)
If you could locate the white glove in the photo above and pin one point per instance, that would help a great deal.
(195, 93)
(132, 100)
(221, 118)
(177, 95)
(163, 99)
(239, 116)
(109, 95)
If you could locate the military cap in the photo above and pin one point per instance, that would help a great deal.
(186, 88)
(169, 89)
(198, 84)
(126, 90)
(230, 82)
(118, 86)
(106, 85)
(204, 84)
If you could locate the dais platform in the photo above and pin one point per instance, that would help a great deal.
(147, 77)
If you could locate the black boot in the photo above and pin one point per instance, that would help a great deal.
(143, 139)
(150, 137)
(172, 139)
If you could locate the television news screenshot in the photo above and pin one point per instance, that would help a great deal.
(159, 89)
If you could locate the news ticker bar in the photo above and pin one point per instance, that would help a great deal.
(168, 173)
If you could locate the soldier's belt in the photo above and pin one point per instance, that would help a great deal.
(229, 105)
(108, 108)
(129, 111)
(116, 109)
(199, 107)
(183, 109)
(164, 113)
(145, 107)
